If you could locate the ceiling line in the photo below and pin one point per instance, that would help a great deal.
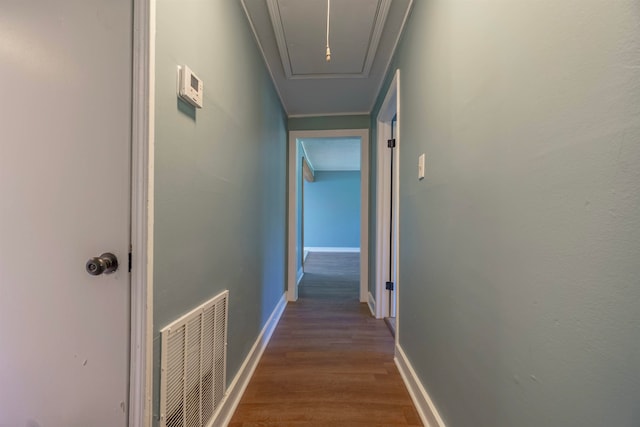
(306, 155)
(355, 113)
(395, 46)
(264, 57)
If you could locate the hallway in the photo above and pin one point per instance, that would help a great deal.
(329, 363)
(151, 156)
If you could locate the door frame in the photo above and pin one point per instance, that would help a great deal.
(390, 108)
(293, 203)
(142, 194)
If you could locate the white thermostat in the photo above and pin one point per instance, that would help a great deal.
(191, 88)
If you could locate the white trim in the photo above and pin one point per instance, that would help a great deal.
(424, 405)
(339, 169)
(395, 46)
(141, 339)
(306, 157)
(306, 116)
(396, 194)
(241, 380)
(151, 208)
(363, 134)
(292, 256)
(330, 249)
(278, 32)
(381, 18)
(372, 305)
(364, 217)
(264, 56)
(299, 276)
(389, 108)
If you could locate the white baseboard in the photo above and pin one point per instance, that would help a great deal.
(300, 275)
(372, 305)
(306, 254)
(239, 384)
(328, 249)
(424, 405)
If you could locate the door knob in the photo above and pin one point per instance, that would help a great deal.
(106, 263)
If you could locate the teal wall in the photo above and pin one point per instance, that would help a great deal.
(329, 122)
(220, 175)
(519, 274)
(332, 210)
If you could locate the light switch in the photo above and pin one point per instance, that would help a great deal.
(421, 166)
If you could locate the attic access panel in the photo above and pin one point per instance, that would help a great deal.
(300, 30)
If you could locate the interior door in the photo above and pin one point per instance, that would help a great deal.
(65, 143)
(393, 225)
(304, 171)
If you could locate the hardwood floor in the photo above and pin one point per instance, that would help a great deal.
(329, 363)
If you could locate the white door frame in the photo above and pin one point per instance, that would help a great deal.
(142, 173)
(363, 134)
(390, 108)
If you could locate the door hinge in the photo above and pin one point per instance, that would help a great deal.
(130, 261)
(389, 286)
(391, 143)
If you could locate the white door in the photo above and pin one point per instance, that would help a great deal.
(393, 226)
(65, 142)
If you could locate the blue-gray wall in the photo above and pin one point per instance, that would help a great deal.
(520, 250)
(220, 174)
(332, 210)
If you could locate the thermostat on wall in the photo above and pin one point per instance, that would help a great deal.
(191, 87)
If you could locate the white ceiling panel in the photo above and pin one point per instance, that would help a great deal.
(291, 35)
(332, 154)
(355, 28)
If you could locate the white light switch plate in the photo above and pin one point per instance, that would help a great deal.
(421, 166)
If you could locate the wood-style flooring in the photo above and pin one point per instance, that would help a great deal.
(329, 363)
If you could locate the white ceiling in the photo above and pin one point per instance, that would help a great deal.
(292, 35)
(332, 154)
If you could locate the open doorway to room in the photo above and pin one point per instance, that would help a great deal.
(331, 216)
(328, 207)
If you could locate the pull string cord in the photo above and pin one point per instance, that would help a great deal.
(328, 13)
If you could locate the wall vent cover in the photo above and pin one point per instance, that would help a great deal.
(193, 365)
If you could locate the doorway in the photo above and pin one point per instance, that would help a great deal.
(392, 277)
(296, 245)
(385, 303)
(74, 193)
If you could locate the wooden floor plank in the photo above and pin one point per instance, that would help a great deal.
(329, 363)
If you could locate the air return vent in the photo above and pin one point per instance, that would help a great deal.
(193, 363)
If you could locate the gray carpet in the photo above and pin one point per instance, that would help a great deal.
(331, 276)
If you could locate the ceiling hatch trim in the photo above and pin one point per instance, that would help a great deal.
(281, 41)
